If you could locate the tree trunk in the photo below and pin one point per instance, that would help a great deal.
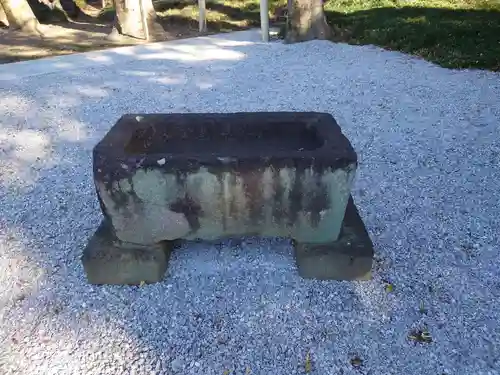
(69, 7)
(306, 21)
(3, 17)
(51, 11)
(20, 16)
(137, 18)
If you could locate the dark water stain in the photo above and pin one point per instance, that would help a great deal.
(119, 197)
(220, 177)
(295, 197)
(191, 210)
(279, 191)
(252, 185)
(132, 193)
(233, 206)
(180, 178)
(318, 201)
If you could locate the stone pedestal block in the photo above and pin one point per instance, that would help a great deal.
(107, 260)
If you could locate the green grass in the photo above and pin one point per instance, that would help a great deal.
(451, 33)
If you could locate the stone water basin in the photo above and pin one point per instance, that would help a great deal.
(209, 176)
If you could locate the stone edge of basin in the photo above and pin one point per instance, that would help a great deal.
(107, 261)
(112, 163)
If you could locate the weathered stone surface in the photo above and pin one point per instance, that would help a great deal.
(107, 260)
(165, 177)
(348, 258)
(137, 19)
(208, 176)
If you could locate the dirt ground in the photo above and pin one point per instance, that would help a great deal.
(87, 32)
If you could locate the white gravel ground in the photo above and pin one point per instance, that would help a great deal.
(427, 187)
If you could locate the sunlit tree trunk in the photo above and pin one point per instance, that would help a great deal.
(54, 10)
(69, 7)
(306, 21)
(137, 18)
(20, 16)
(3, 16)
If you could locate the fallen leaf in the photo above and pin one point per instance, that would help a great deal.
(389, 288)
(307, 365)
(356, 361)
(420, 336)
(422, 308)
(426, 336)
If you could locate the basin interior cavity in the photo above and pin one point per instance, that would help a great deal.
(213, 137)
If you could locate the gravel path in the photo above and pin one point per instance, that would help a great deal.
(427, 187)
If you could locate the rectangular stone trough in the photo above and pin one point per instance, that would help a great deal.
(166, 177)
